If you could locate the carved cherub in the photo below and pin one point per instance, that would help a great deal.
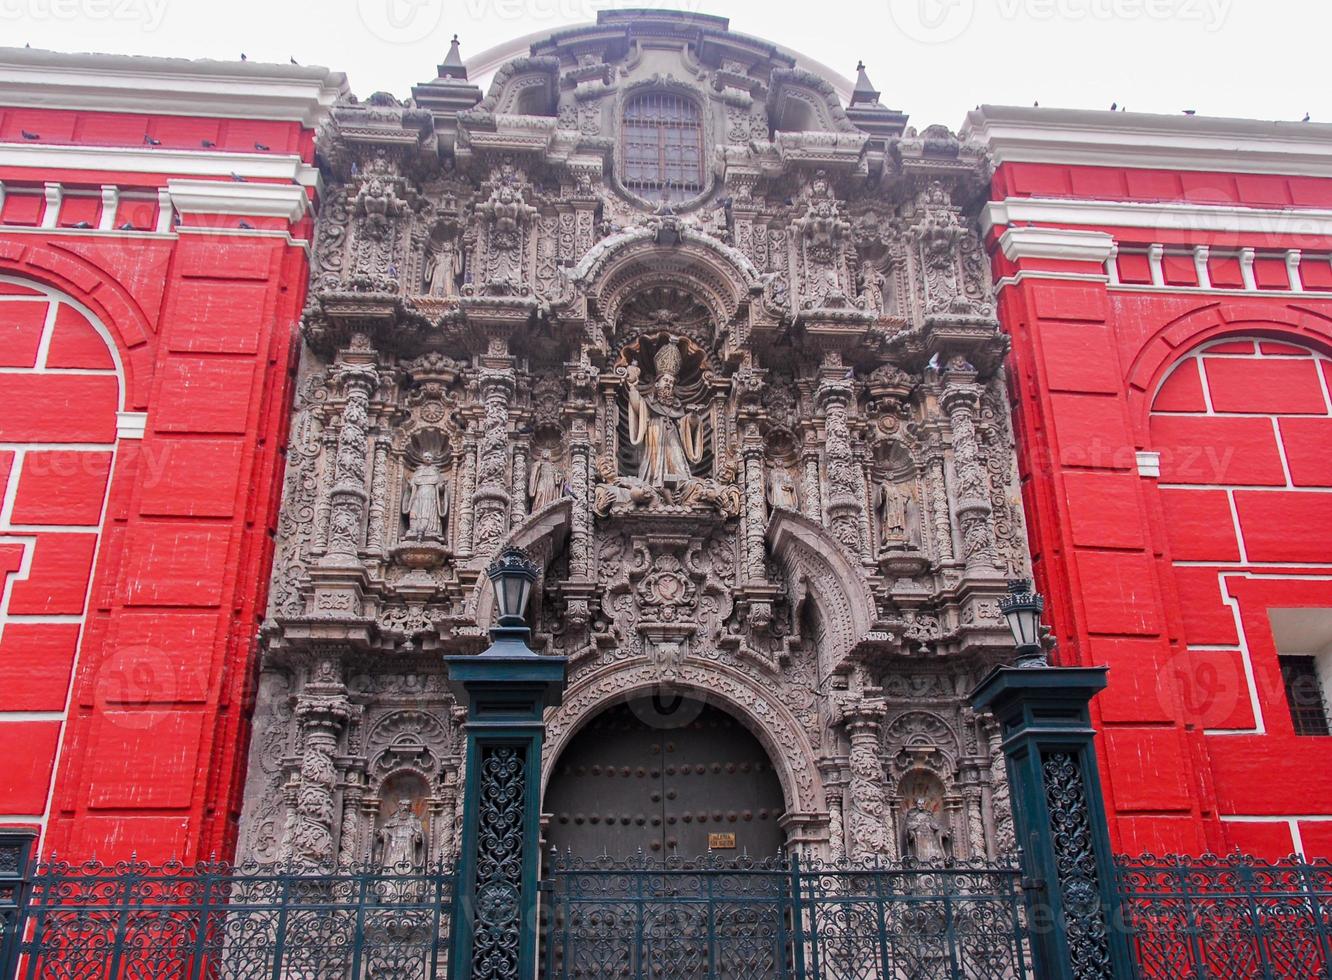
(612, 488)
(721, 492)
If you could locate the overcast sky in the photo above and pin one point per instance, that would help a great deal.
(933, 58)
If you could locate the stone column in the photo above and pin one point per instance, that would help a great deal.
(961, 397)
(322, 710)
(811, 490)
(374, 537)
(580, 465)
(466, 494)
(492, 476)
(348, 498)
(834, 788)
(866, 824)
(936, 486)
(324, 492)
(442, 823)
(349, 834)
(866, 503)
(751, 453)
(518, 491)
(843, 504)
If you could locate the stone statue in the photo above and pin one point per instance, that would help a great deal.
(401, 841)
(669, 434)
(425, 501)
(612, 488)
(782, 490)
(545, 481)
(925, 839)
(892, 505)
(872, 283)
(443, 270)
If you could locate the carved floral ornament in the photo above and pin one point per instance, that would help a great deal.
(756, 442)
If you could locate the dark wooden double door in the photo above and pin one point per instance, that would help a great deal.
(664, 776)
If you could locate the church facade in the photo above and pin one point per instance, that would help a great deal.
(721, 355)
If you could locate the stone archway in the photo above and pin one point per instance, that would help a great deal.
(773, 726)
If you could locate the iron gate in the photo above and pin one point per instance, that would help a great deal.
(780, 919)
(214, 922)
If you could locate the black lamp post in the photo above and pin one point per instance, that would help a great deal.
(1058, 812)
(506, 689)
(1022, 607)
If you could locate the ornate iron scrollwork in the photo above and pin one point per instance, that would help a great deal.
(499, 863)
(1075, 863)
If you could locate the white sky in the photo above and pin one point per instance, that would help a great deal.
(933, 58)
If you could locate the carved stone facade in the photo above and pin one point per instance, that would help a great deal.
(754, 433)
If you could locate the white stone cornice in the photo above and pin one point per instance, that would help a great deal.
(1206, 218)
(168, 86)
(287, 201)
(1083, 137)
(1056, 243)
(156, 160)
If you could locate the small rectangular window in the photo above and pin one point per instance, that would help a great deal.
(1304, 651)
(1304, 694)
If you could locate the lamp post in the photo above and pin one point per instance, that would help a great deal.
(506, 689)
(1022, 608)
(1058, 812)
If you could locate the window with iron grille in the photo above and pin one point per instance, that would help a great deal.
(1304, 695)
(662, 139)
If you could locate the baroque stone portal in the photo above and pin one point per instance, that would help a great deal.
(720, 352)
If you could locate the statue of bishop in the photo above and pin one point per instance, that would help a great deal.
(669, 433)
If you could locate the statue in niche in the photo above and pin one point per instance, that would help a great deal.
(925, 840)
(895, 508)
(782, 489)
(425, 501)
(401, 841)
(669, 434)
(444, 269)
(612, 488)
(872, 284)
(545, 481)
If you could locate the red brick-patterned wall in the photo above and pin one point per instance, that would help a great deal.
(135, 567)
(1169, 580)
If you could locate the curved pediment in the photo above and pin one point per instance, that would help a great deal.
(817, 568)
(666, 251)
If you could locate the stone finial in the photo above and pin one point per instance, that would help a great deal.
(864, 93)
(453, 66)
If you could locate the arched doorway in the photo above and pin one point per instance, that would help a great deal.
(665, 775)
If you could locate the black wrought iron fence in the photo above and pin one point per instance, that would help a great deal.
(212, 921)
(724, 920)
(1227, 918)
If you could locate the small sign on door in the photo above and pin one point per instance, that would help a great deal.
(721, 842)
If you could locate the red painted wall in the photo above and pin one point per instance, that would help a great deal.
(1169, 580)
(135, 569)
